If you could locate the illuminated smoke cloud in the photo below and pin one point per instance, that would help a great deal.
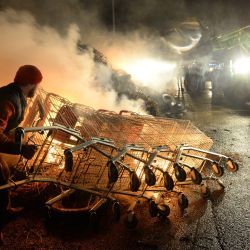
(66, 72)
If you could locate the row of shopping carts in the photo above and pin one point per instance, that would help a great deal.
(108, 155)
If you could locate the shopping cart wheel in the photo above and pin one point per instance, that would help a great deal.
(116, 209)
(205, 191)
(112, 172)
(150, 178)
(168, 181)
(196, 176)
(153, 210)
(134, 182)
(68, 161)
(131, 220)
(163, 211)
(217, 169)
(232, 166)
(180, 173)
(182, 201)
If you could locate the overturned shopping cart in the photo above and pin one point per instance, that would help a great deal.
(105, 154)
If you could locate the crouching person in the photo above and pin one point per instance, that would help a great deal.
(13, 101)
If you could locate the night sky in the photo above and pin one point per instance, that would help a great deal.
(216, 16)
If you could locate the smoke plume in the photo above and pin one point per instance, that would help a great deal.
(49, 40)
(66, 72)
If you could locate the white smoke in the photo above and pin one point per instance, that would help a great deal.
(65, 71)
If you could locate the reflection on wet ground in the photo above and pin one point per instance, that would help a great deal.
(229, 127)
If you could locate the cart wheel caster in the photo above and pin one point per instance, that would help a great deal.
(205, 191)
(168, 181)
(116, 208)
(131, 221)
(196, 176)
(153, 210)
(69, 162)
(217, 169)
(182, 201)
(112, 172)
(134, 182)
(163, 211)
(93, 220)
(232, 166)
(180, 173)
(150, 178)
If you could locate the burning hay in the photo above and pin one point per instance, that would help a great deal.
(103, 153)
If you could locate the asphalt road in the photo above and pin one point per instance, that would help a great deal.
(226, 222)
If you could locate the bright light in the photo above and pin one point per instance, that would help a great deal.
(150, 72)
(242, 65)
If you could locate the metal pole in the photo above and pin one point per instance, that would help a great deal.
(113, 15)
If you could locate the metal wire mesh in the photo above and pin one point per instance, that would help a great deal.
(91, 162)
(123, 128)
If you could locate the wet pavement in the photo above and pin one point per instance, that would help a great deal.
(226, 223)
(221, 222)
